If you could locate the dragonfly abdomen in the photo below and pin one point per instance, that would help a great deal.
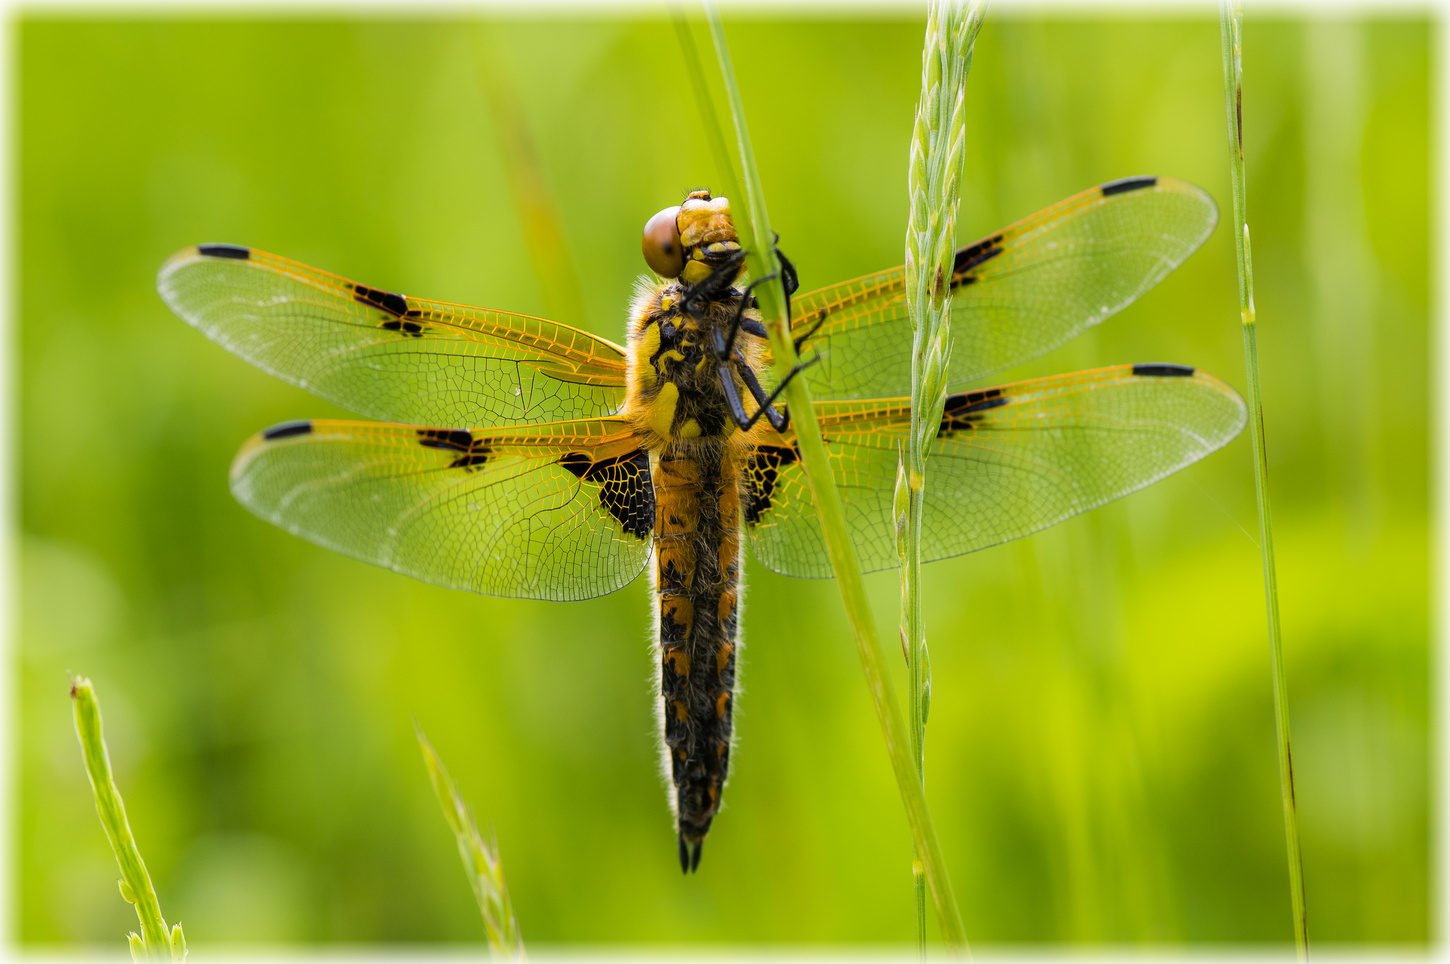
(697, 575)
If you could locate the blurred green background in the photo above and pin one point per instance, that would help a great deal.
(1101, 762)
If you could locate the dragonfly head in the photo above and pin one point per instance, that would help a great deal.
(692, 240)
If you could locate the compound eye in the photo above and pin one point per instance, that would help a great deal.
(661, 243)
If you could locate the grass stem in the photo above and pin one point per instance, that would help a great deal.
(480, 860)
(933, 186)
(156, 941)
(761, 262)
(1231, 20)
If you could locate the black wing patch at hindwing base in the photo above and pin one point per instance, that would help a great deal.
(964, 408)
(625, 487)
(472, 452)
(762, 472)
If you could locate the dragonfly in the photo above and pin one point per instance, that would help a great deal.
(519, 457)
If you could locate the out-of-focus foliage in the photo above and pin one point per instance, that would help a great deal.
(1101, 761)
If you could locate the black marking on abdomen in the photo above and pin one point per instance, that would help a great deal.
(964, 409)
(474, 452)
(625, 487)
(233, 251)
(392, 303)
(1125, 184)
(762, 472)
(287, 430)
(699, 488)
(1163, 370)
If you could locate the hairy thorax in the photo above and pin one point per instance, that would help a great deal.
(675, 396)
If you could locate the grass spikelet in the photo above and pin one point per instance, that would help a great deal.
(480, 859)
(156, 941)
(754, 226)
(1231, 21)
(933, 182)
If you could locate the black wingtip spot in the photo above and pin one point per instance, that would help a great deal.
(1126, 184)
(287, 430)
(1163, 370)
(233, 251)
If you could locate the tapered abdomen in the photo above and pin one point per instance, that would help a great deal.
(697, 554)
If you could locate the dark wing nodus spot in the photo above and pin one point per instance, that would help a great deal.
(625, 490)
(1163, 370)
(762, 473)
(973, 255)
(472, 452)
(965, 408)
(233, 251)
(391, 302)
(288, 429)
(1125, 184)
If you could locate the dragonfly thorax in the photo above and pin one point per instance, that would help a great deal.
(675, 372)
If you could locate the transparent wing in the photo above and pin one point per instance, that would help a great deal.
(555, 511)
(1017, 293)
(1009, 461)
(389, 356)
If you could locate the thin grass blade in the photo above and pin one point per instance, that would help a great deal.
(761, 262)
(480, 860)
(1231, 20)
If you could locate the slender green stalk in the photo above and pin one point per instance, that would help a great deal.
(1231, 20)
(933, 181)
(156, 941)
(761, 262)
(480, 860)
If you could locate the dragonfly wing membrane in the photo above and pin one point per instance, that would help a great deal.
(1008, 461)
(390, 356)
(1017, 293)
(558, 511)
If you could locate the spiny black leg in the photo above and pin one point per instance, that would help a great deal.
(752, 327)
(685, 855)
(722, 351)
(695, 857)
(732, 397)
(778, 420)
(715, 286)
(814, 328)
(788, 277)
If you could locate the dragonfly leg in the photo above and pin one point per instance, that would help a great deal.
(778, 420)
(788, 279)
(714, 287)
(802, 339)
